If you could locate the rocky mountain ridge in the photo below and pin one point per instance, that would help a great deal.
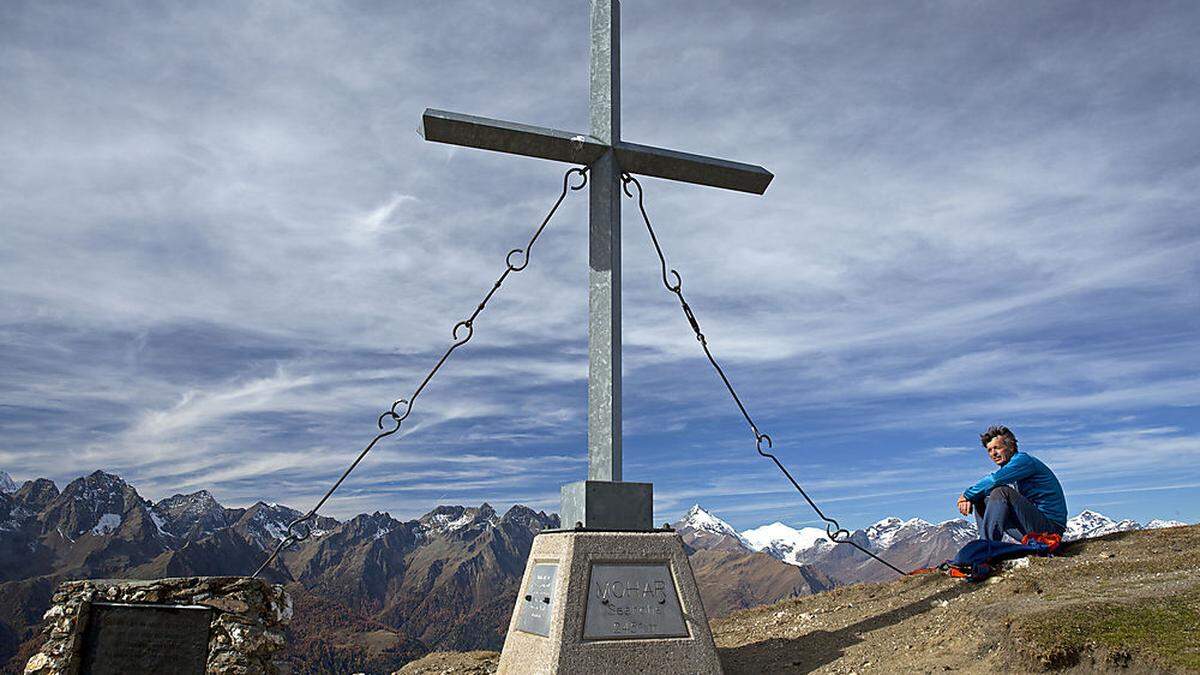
(908, 544)
(445, 580)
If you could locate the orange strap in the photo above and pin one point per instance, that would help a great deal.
(929, 570)
(924, 570)
(1051, 540)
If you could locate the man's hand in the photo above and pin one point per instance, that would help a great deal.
(964, 505)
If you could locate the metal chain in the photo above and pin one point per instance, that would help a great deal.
(298, 530)
(836, 532)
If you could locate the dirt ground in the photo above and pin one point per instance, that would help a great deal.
(1123, 602)
(447, 663)
(1128, 602)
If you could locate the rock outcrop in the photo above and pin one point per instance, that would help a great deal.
(246, 632)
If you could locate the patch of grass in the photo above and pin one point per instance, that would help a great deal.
(1165, 631)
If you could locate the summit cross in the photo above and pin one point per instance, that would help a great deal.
(603, 501)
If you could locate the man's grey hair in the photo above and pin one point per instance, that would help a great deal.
(1010, 439)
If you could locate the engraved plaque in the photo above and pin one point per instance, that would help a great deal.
(632, 601)
(536, 603)
(130, 638)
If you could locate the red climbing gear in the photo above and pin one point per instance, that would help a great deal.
(1051, 540)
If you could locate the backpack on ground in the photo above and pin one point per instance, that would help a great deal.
(977, 560)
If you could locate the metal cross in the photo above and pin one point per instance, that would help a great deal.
(607, 156)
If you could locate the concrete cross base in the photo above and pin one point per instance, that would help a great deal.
(608, 505)
(603, 602)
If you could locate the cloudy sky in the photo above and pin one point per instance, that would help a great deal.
(225, 250)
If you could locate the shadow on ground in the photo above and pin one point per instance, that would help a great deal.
(812, 650)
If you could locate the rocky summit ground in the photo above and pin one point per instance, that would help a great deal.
(1128, 601)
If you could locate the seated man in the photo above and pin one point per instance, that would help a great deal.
(1020, 497)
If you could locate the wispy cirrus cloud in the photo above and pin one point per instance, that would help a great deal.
(225, 253)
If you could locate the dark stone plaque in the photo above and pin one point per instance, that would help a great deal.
(632, 601)
(536, 603)
(132, 638)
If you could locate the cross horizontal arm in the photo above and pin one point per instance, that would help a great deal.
(511, 137)
(522, 139)
(688, 168)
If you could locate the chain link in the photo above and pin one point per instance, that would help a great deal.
(836, 532)
(516, 261)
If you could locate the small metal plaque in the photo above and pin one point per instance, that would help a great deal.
(130, 638)
(630, 602)
(536, 603)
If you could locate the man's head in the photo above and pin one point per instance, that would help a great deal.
(1000, 444)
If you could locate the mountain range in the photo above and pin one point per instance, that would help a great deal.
(373, 592)
(908, 544)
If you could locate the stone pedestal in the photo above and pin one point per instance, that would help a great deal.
(178, 625)
(603, 602)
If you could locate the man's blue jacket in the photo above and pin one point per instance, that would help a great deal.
(1034, 480)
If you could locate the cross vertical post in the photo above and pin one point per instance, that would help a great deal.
(605, 501)
(604, 244)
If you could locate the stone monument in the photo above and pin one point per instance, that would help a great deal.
(608, 593)
(182, 626)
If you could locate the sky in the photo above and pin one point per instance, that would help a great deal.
(225, 250)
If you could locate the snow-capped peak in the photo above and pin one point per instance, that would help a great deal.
(887, 531)
(379, 525)
(449, 519)
(960, 529)
(1092, 524)
(1158, 524)
(701, 529)
(1090, 515)
(267, 524)
(7, 485)
(192, 514)
(702, 521)
(194, 505)
(204, 498)
(787, 543)
(97, 486)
